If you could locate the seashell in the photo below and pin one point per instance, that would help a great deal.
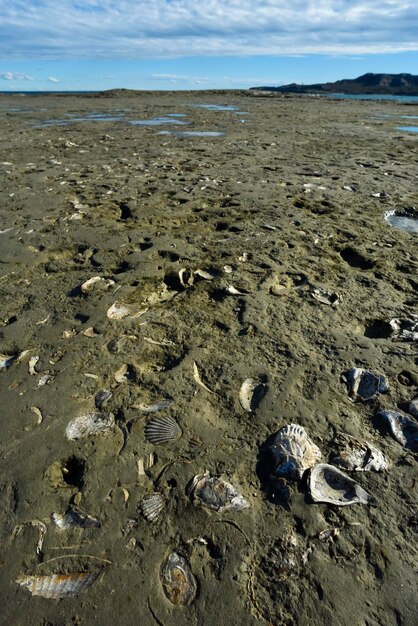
(204, 274)
(412, 407)
(145, 464)
(7, 361)
(228, 269)
(90, 424)
(197, 378)
(251, 394)
(96, 283)
(214, 493)
(74, 518)
(58, 586)
(178, 582)
(244, 257)
(405, 329)
(161, 405)
(90, 332)
(293, 452)
(117, 311)
(233, 291)
(32, 362)
(151, 506)
(44, 380)
(186, 277)
(328, 484)
(402, 427)
(38, 414)
(326, 297)
(69, 334)
(364, 384)
(358, 456)
(162, 430)
(125, 373)
(102, 397)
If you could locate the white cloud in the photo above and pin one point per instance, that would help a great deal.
(122, 29)
(52, 79)
(14, 76)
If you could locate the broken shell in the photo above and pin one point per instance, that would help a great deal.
(364, 384)
(96, 283)
(228, 269)
(197, 378)
(102, 397)
(145, 464)
(402, 427)
(186, 277)
(90, 424)
(204, 274)
(214, 493)
(358, 456)
(328, 484)
(38, 414)
(405, 329)
(90, 332)
(44, 380)
(251, 394)
(75, 518)
(125, 373)
(162, 405)
(178, 582)
(293, 452)
(152, 506)
(32, 362)
(326, 297)
(162, 430)
(117, 311)
(7, 361)
(233, 291)
(58, 585)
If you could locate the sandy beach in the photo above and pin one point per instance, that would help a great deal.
(212, 247)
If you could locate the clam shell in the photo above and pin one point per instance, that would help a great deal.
(326, 297)
(251, 394)
(178, 582)
(58, 586)
(160, 430)
(402, 428)
(364, 384)
(328, 484)
(90, 424)
(152, 506)
(293, 451)
(96, 283)
(75, 518)
(358, 456)
(214, 493)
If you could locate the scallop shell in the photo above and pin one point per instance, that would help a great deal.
(58, 586)
(402, 427)
(251, 394)
(75, 518)
(162, 430)
(328, 484)
(178, 582)
(364, 384)
(214, 493)
(152, 506)
(90, 424)
(358, 456)
(96, 283)
(326, 297)
(293, 451)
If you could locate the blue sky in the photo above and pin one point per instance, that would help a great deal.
(201, 44)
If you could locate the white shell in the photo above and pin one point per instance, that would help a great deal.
(162, 405)
(204, 274)
(251, 393)
(233, 291)
(7, 361)
(90, 424)
(364, 384)
(293, 451)
(32, 362)
(405, 329)
(402, 427)
(214, 493)
(358, 456)
(326, 297)
(75, 518)
(58, 586)
(152, 506)
(186, 277)
(197, 378)
(328, 484)
(118, 311)
(96, 283)
(160, 430)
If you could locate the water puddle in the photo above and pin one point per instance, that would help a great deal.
(409, 129)
(159, 121)
(216, 107)
(192, 133)
(93, 117)
(402, 222)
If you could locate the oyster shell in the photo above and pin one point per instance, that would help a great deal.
(405, 329)
(364, 384)
(402, 428)
(214, 493)
(326, 297)
(90, 424)
(328, 484)
(358, 456)
(293, 451)
(58, 586)
(178, 582)
(251, 393)
(96, 283)
(74, 518)
(160, 430)
(152, 506)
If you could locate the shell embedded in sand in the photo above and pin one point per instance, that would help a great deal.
(58, 586)
(160, 430)
(328, 484)
(405, 329)
(364, 384)
(90, 424)
(152, 506)
(402, 427)
(186, 277)
(118, 311)
(251, 393)
(102, 397)
(293, 452)
(178, 582)
(161, 405)
(7, 361)
(326, 297)
(96, 283)
(358, 456)
(74, 518)
(214, 493)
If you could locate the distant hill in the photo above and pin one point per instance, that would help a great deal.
(395, 84)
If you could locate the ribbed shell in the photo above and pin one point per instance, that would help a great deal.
(214, 493)
(328, 484)
(402, 427)
(58, 586)
(162, 430)
(90, 424)
(177, 580)
(293, 451)
(151, 506)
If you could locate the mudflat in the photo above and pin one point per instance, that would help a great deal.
(212, 246)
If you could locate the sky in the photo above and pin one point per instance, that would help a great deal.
(67, 45)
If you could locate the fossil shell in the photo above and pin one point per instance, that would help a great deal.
(96, 283)
(152, 506)
(251, 394)
(328, 484)
(58, 585)
(402, 427)
(405, 329)
(160, 430)
(90, 424)
(214, 493)
(74, 518)
(177, 580)
(358, 456)
(326, 297)
(293, 451)
(363, 384)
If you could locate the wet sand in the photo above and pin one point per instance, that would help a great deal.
(285, 199)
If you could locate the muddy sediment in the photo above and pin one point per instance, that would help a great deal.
(292, 196)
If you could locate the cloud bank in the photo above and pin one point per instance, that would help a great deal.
(151, 29)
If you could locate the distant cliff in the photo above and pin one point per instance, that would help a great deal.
(396, 84)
